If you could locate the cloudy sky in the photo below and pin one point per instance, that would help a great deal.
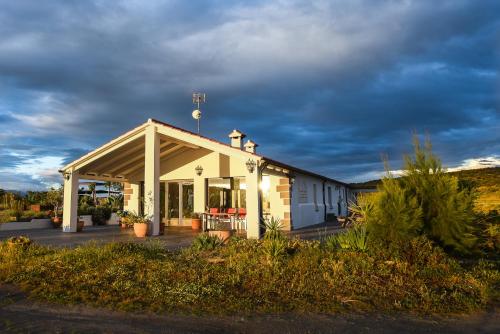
(323, 85)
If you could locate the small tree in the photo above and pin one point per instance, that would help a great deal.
(425, 200)
(447, 208)
(55, 198)
(92, 189)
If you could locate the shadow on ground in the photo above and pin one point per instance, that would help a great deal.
(18, 314)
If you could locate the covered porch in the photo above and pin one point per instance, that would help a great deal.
(171, 175)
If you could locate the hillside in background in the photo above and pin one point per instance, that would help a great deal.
(485, 180)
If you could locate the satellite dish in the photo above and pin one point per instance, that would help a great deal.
(196, 114)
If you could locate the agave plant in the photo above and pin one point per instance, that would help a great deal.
(206, 242)
(353, 239)
(273, 228)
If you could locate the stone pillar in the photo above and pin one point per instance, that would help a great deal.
(152, 178)
(131, 197)
(284, 190)
(253, 203)
(70, 213)
(200, 194)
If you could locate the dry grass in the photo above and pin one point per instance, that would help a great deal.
(242, 279)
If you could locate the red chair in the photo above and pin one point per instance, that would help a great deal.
(242, 212)
(214, 210)
(231, 211)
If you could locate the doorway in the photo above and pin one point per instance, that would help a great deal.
(179, 203)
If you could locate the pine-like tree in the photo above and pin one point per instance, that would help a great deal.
(447, 209)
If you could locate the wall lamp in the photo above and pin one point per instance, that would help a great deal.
(66, 175)
(251, 165)
(199, 170)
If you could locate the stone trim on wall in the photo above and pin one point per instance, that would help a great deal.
(285, 194)
(127, 193)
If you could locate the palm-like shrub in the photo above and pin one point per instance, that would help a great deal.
(273, 228)
(204, 242)
(353, 239)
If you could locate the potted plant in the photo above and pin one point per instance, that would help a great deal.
(56, 221)
(196, 221)
(222, 230)
(79, 224)
(55, 198)
(124, 223)
(140, 223)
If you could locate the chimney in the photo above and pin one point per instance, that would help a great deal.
(250, 146)
(237, 138)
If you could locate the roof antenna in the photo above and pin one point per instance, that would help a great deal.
(197, 99)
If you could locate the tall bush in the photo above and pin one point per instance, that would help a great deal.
(447, 208)
(424, 201)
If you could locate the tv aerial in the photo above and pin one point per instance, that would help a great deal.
(198, 98)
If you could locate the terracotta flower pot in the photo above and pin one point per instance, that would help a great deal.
(141, 230)
(56, 222)
(224, 235)
(79, 225)
(196, 223)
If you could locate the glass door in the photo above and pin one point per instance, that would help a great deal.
(187, 202)
(180, 203)
(173, 203)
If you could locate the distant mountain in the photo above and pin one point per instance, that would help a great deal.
(481, 177)
(485, 180)
(21, 193)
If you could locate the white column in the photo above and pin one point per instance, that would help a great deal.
(152, 178)
(70, 207)
(253, 203)
(199, 194)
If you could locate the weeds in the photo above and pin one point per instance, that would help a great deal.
(251, 276)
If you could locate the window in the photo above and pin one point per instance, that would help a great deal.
(224, 193)
(315, 196)
(330, 203)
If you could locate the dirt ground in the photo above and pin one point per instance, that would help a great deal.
(19, 314)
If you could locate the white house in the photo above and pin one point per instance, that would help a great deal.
(170, 173)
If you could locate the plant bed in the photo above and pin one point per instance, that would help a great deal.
(237, 278)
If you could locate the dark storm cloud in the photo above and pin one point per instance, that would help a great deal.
(325, 85)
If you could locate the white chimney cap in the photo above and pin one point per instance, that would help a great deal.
(250, 143)
(237, 134)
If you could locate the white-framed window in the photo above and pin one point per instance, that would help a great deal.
(315, 197)
(330, 202)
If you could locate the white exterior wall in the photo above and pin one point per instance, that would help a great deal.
(338, 195)
(304, 211)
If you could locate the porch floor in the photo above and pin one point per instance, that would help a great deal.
(174, 237)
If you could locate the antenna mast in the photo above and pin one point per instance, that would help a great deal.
(198, 98)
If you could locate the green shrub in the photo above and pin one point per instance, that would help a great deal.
(100, 214)
(394, 216)
(424, 201)
(354, 239)
(273, 228)
(147, 277)
(8, 215)
(275, 249)
(204, 242)
(447, 209)
(488, 233)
